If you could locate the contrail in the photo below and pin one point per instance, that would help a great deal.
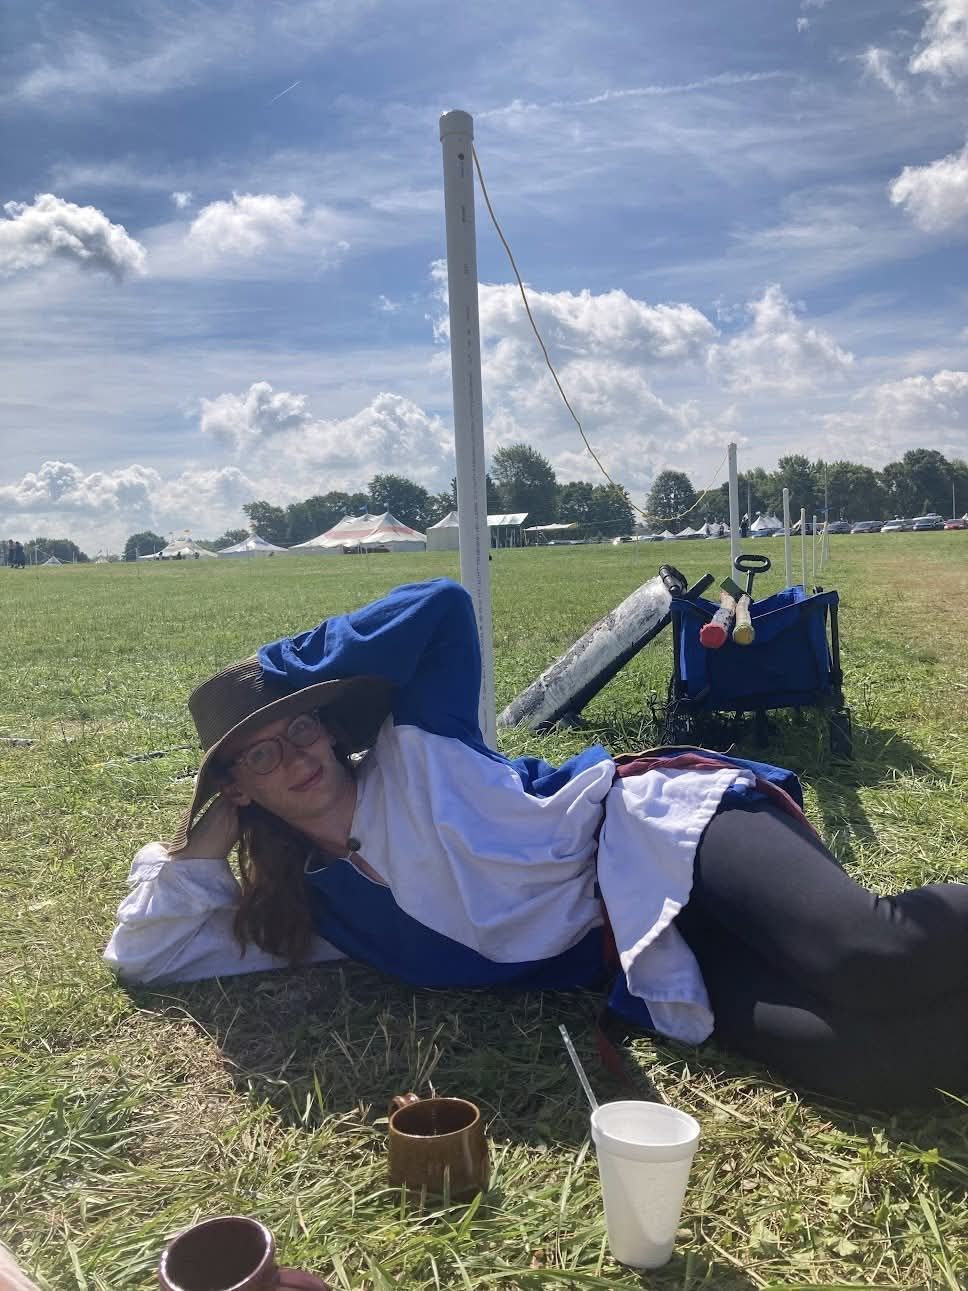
(285, 91)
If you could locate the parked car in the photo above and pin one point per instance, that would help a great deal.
(923, 523)
(897, 526)
(956, 524)
(838, 526)
(867, 526)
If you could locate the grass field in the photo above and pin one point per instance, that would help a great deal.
(125, 1115)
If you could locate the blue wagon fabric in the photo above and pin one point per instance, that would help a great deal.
(786, 666)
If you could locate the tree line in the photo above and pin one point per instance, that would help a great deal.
(521, 479)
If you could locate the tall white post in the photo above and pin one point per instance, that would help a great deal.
(787, 538)
(803, 545)
(813, 561)
(456, 137)
(734, 538)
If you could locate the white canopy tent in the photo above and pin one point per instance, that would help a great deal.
(766, 524)
(252, 546)
(185, 549)
(51, 560)
(363, 533)
(444, 535)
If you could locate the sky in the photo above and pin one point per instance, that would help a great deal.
(222, 242)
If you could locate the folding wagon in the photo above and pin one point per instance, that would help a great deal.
(790, 664)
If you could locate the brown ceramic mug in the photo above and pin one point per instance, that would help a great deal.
(230, 1253)
(437, 1144)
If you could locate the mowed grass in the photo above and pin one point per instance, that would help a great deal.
(127, 1114)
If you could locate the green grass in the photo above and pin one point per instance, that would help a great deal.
(125, 1115)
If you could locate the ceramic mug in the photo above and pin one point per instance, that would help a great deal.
(230, 1253)
(437, 1144)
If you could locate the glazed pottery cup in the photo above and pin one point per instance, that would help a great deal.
(437, 1144)
(230, 1253)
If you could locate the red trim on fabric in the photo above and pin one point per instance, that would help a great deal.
(630, 764)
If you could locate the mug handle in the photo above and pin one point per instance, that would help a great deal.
(297, 1280)
(401, 1100)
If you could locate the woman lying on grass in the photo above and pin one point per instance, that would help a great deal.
(690, 881)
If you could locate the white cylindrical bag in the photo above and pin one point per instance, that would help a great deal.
(645, 1151)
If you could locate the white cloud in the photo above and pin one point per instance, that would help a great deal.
(878, 63)
(246, 224)
(63, 487)
(814, 4)
(181, 199)
(777, 351)
(50, 228)
(944, 47)
(243, 420)
(803, 24)
(276, 432)
(936, 195)
(889, 418)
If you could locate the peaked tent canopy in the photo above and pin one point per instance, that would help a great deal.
(443, 536)
(184, 549)
(355, 533)
(765, 524)
(52, 560)
(252, 546)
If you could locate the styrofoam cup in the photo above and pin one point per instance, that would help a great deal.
(644, 1154)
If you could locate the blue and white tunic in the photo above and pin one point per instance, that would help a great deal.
(491, 871)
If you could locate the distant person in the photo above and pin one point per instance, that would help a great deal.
(744, 526)
(19, 559)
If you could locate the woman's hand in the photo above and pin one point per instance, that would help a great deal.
(214, 835)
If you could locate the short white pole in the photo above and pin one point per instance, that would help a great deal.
(457, 141)
(734, 538)
(803, 546)
(813, 560)
(787, 538)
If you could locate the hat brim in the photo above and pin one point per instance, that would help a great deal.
(357, 707)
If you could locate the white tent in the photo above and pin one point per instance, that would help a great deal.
(765, 524)
(184, 549)
(252, 546)
(52, 560)
(667, 533)
(364, 533)
(442, 536)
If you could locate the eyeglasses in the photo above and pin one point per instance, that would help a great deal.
(263, 757)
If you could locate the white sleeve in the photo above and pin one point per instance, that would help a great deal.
(175, 924)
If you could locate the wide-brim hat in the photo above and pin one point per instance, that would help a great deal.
(242, 698)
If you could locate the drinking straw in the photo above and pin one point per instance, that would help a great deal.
(576, 1063)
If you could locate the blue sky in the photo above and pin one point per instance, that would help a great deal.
(223, 226)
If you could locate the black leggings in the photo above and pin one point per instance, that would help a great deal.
(834, 988)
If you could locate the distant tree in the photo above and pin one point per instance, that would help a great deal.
(440, 505)
(313, 516)
(37, 550)
(576, 502)
(269, 522)
(403, 498)
(959, 480)
(145, 543)
(671, 495)
(526, 482)
(493, 493)
(855, 492)
(612, 511)
(919, 482)
(228, 539)
(798, 474)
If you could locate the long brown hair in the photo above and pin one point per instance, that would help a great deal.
(273, 910)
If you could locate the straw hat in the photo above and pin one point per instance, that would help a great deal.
(242, 698)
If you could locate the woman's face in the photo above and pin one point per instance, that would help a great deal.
(309, 781)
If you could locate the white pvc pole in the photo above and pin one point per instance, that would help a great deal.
(787, 540)
(813, 561)
(456, 137)
(803, 546)
(734, 538)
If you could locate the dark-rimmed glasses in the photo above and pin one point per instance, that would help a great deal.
(264, 756)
